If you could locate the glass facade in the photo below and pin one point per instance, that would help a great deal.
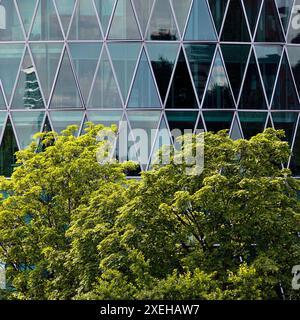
(168, 64)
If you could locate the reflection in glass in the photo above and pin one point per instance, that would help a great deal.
(218, 9)
(85, 58)
(252, 96)
(162, 24)
(2, 103)
(62, 119)
(294, 57)
(26, 9)
(294, 29)
(218, 120)
(252, 8)
(124, 58)
(85, 24)
(65, 93)
(235, 58)
(163, 56)
(144, 94)
(46, 25)
(269, 27)
(107, 118)
(286, 121)
(235, 26)
(284, 8)
(200, 25)
(124, 25)
(182, 120)
(285, 96)
(105, 93)
(104, 9)
(252, 123)
(268, 59)
(143, 9)
(65, 9)
(182, 93)
(181, 9)
(218, 94)
(27, 124)
(236, 132)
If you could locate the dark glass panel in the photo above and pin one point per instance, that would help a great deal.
(285, 97)
(85, 24)
(27, 93)
(182, 93)
(286, 121)
(46, 24)
(8, 148)
(218, 120)
(200, 25)
(200, 58)
(181, 8)
(235, 58)
(26, 9)
(162, 24)
(235, 26)
(252, 9)
(65, 9)
(252, 96)
(252, 123)
(144, 93)
(294, 29)
(218, 9)
(218, 93)
(124, 25)
(163, 56)
(285, 9)
(182, 120)
(295, 160)
(269, 28)
(294, 57)
(143, 9)
(268, 59)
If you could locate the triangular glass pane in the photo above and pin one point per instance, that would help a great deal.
(27, 124)
(218, 93)
(218, 9)
(85, 58)
(252, 123)
(46, 58)
(294, 57)
(124, 58)
(143, 9)
(62, 119)
(162, 140)
(144, 94)
(294, 29)
(181, 9)
(107, 118)
(200, 58)
(285, 96)
(65, 94)
(235, 58)
(235, 26)
(285, 8)
(8, 148)
(182, 93)
(286, 121)
(85, 25)
(295, 160)
(105, 93)
(185, 121)
(3, 116)
(124, 25)
(65, 9)
(46, 24)
(163, 57)
(26, 9)
(236, 132)
(144, 125)
(104, 9)
(27, 94)
(269, 28)
(2, 101)
(10, 25)
(268, 60)
(218, 120)
(252, 8)
(162, 24)
(10, 60)
(252, 96)
(200, 25)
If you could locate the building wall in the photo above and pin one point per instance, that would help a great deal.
(187, 64)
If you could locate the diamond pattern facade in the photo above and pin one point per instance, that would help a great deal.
(194, 64)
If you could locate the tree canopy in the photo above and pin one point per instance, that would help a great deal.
(73, 229)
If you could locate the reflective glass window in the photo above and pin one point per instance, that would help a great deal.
(26, 9)
(285, 9)
(252, 8)
(286, 121)
(216, 121)
(65, 9)
(181, 9)
(294, 57)
(252, 123)
(143, 9)
(104, 9)
(62, 119)
(294, 29)
(218, 10)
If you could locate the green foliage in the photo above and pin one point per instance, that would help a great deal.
(74, 229)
